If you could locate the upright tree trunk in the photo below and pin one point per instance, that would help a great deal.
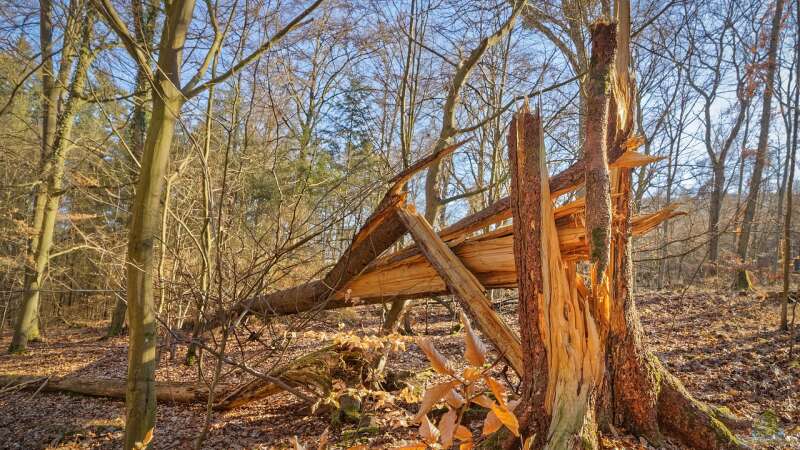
(52, 88)
(602, 371)
(714, 209)
(140, 263)
(144, 228)
(49, 197)
(144, 21)
(205, 234)
(742, 275)
(787, 225)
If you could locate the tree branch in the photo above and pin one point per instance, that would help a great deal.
(190, 91)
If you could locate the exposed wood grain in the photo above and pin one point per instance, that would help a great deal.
(464, 285)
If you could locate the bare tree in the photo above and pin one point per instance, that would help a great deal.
(742, 275)
(169, 96)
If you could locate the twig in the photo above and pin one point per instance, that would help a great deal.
(46, 380)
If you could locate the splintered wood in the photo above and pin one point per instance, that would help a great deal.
(455, 260)
(463, 284)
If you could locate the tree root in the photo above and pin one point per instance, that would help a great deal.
(692, 421)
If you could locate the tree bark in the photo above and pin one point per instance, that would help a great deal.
(165, 391)
(144, 227)
(639, 393)
(27, 322)
(525, 149)
(742, 275)
(787, 225)
(714, 208)
(144, 22)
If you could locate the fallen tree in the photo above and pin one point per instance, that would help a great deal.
(312, 372)
(408, 274)
(316, 371)
(100, 387)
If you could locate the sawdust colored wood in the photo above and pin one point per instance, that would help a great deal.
(463, 284)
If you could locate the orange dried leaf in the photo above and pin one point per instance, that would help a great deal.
(491, 423)
(466, 446)
(471, 374)
(474, 351)
(454, 399)
(463, 434)
(507, 417)
(428, 431)
(439, 363)
(432, 396)
(484, 401)
(447, 426)
(497, 389)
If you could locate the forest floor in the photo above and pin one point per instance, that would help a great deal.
(724, 347)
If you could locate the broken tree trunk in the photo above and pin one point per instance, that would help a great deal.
(463, 284)
(381, 230)
(305, 297)
(563, 334)
(407, 274)
(640, 395)
(165, 391)
(527, 191)
(599, 372)
(313, 371)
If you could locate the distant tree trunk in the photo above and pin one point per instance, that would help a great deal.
(714, 209)
(52, 88)
(27, 322)
(742, 275)
(787, 225)
(205, 235)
